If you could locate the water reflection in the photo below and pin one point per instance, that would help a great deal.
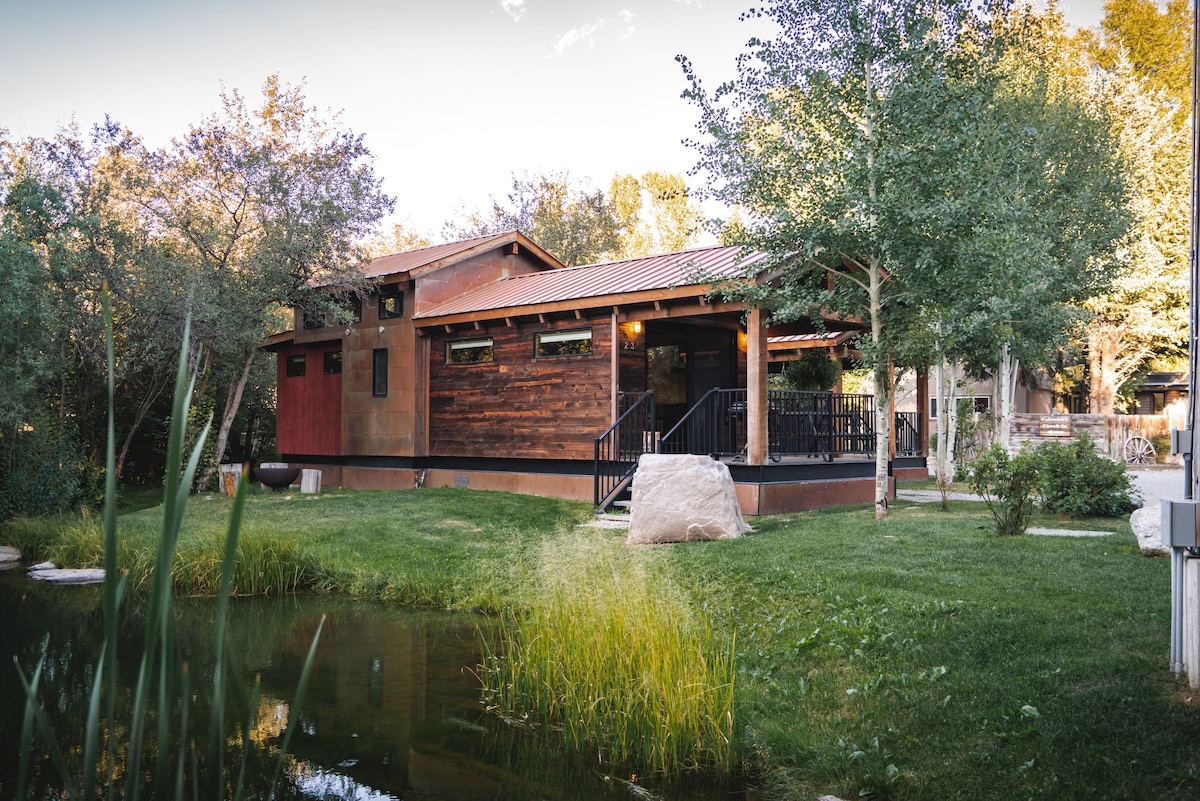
(390, 712)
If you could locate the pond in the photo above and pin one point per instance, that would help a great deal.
(392, 709)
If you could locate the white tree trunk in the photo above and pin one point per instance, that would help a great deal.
(1005, 390)
(947, 417)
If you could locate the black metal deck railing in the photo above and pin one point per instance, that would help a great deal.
(812, 424)
(799, 424)
(908, 433)
(618, 449)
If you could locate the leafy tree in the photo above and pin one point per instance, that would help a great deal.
(811, 142)
(1043, 185)
(920, 168)
(575, 225)
(656, 213)
(60, 238)
(1146, 85)
(263, 209)
(397, 240)
(1156, 42)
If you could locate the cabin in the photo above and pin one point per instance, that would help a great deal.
(488, 364)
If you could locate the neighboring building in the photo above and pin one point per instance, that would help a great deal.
(1164, 394)
(487, 363)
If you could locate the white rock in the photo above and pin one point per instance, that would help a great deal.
(43, 566)
(1147, 527)
(680, 498)
(88, 575)
(9, 554)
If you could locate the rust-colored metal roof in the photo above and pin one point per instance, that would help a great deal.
(801, 340)
(690, 268)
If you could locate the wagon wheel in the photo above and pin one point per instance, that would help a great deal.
(1139, 450)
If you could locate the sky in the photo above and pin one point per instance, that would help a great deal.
(453, 97)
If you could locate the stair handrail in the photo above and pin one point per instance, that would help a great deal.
(609, 483)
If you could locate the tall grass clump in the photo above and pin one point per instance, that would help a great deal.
(617, 658)
(124, 759)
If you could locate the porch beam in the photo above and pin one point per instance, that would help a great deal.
(680, 310)
(756, 389)
(667, 299)
(615, 366)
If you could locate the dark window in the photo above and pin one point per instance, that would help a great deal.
(313, 319)
(379, 373)
(576, 342)
(295, 365)
(470, 351)
(347, 310)
(979, 404)
(391, 302)
(333, 362)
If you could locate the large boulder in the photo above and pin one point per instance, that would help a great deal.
(680, 498)
(1147, 527)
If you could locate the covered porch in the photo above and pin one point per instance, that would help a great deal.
(699, 386)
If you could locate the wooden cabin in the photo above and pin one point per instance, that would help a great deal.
(488, 364)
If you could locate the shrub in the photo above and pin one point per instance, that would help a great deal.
(1079, 481)
(1008, 486)
(42, 470)
(1162, 447)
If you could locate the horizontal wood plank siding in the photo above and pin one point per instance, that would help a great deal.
(521, 406)
(309, 406)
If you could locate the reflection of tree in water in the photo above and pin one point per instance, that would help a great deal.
(392, 710)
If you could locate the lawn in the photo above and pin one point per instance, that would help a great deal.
(919, 657)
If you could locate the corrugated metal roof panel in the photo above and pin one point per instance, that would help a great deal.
(686, 268)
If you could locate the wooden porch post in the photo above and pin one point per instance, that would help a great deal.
(756, 389)
(616, 366)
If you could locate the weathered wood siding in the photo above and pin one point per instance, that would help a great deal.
(309, 406)
(518, 405)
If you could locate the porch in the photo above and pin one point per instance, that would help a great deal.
(819, 444)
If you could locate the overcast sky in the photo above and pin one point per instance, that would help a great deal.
(453, 96)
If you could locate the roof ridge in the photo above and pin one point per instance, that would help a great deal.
(659, 255)
(446, 244)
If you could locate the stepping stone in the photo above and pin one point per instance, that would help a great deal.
(9, 554)
(90, 575)
(1067, 532)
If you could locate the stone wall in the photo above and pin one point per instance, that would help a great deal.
(1108, 431)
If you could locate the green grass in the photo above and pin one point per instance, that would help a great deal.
(620, 660)
(920, 657)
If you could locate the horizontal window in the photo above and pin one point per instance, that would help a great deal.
(575, 342)
(346, 310)
(470, 351)
(295, 366)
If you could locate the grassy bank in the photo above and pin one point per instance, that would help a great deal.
(915, 658)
